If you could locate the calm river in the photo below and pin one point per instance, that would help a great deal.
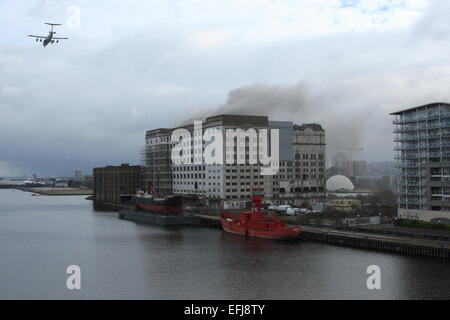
(41, 236)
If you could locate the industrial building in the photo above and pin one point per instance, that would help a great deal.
(345, 205)
(301, 163)
(422, 136)
(117, 184)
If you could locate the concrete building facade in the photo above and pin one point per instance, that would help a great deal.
(116, 184)
(345, 205)
(301, 166)
(422, 136)
(359, 168)
(157, 161)
(78, 175)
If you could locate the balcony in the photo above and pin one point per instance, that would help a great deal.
(412, 184)
(402, 138)
(413, 193)
(421, 155)
(424, 136)
(413, 174)
(432, 114)
(411, 147)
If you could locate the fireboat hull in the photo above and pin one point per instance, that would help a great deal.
(277, 234)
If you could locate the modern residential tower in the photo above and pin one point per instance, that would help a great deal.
(422, 136)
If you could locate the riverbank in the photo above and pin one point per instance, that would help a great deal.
(392, 244)
(387, 238)
(359, 239)
(393, 230)
(58, 191)
(126, 260)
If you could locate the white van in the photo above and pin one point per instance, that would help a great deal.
(291, 211)
(282, 207)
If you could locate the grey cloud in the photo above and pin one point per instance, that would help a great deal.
(88, 102)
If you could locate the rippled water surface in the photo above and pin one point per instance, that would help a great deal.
(41, 236)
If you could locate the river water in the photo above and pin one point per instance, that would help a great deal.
(40, 236)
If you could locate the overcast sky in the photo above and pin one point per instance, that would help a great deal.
(131, 66)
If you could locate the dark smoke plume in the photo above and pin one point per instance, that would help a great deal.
(298, 104)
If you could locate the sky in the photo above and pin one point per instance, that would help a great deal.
(132, 66)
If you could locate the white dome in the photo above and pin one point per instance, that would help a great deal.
(339, 183)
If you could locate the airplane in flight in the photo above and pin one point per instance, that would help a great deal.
(50, 38)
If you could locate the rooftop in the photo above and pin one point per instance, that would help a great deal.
(415, 108)
(313, 126)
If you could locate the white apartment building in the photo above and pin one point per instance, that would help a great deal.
(301, 165)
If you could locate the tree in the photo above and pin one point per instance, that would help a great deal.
(382, 201)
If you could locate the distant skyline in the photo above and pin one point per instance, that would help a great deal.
(134, 66)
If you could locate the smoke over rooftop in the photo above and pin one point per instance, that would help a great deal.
(299, 104)
(265, 99)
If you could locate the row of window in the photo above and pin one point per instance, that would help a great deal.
(190, 168)
(191, 176)
(245, 183)
(242, 170)
(187, 191)
(278, 176)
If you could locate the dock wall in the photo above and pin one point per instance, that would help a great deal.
(352, 239)
(414, 247)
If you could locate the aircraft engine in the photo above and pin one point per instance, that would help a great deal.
(40, 40)
(57, 41)
(37, 39)
(53, 41)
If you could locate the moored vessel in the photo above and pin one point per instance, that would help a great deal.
(256, 224)
(159, 219)
(164, 210)
(159, 204)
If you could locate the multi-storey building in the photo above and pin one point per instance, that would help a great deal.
(340, 163)
(301, 161)
(346, 205)
(116, 184)
(343, 165)
(78, 175)
(358, 168)
(157, 161)
(309, 160)
(422, 136)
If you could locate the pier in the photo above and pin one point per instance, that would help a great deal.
(386, 243)
(393, 244)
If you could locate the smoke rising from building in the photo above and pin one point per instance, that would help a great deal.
(346, 74)
(265, 99)
(299, 104)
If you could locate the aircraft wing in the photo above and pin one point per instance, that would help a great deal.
(40, 37)
(59, 38)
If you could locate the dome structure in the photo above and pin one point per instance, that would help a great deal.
(339, 183)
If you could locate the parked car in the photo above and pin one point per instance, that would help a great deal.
(291, 211)
(280, 208)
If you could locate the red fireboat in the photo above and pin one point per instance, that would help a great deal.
(255, 224)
